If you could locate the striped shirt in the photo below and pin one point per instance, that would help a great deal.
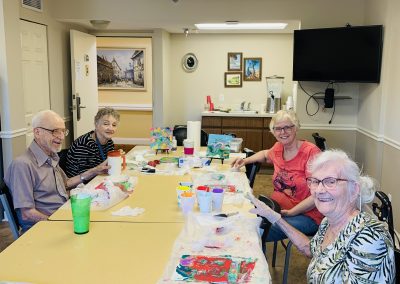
(84, 154)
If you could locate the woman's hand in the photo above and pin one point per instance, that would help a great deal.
(264, 210)
(101, 168)
(238, 163)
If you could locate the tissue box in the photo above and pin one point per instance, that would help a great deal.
(236, 145)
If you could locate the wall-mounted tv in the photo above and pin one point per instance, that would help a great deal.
(345, 54)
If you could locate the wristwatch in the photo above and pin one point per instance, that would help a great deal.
(83, 179)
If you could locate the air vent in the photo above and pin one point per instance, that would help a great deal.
(33, 5)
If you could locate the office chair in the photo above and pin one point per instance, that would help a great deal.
(319, 141)
(63, 159)
(384, 213)
(251, 169)
(6, 201)
(180, 133)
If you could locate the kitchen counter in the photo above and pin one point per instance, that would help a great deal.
(236, 114)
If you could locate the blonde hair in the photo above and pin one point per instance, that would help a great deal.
(284, 115)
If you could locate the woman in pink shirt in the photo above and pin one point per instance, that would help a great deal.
(289, 156)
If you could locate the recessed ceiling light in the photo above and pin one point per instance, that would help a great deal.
(232, 25)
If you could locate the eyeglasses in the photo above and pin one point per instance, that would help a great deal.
(56, 132)
(286, 129)
(328, 182)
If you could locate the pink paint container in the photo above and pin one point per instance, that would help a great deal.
(188, 147)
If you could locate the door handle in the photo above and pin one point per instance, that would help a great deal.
(78, 107)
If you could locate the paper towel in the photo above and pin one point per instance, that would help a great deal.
(194, 132)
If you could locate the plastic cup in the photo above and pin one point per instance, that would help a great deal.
(80, 204)
(204, 199)
(217, 199)
(188, 147)
(181, 189)
(187, 202)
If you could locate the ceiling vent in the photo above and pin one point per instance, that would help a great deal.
(33, 5)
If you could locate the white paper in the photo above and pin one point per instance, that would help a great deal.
(194, 132)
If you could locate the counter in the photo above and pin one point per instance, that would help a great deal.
(236, 114)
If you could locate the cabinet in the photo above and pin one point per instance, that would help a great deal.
(254, 130)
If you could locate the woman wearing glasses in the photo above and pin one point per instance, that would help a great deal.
(289, 156)
(350, 246)
(90, 150)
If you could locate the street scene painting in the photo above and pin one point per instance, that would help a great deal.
(119, 68)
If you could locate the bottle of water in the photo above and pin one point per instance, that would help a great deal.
(174, 144)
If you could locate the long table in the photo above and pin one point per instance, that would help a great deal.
(111, 252)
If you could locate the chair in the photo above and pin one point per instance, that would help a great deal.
(180, 133)
(265, 223)
(6, 201)
(319, 141)
(384, 213)
(251, 169)
(63, 159)
(230, 134)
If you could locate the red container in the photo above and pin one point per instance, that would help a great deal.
(188, 151)
(203, 187)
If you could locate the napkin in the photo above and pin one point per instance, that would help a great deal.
(128, 211)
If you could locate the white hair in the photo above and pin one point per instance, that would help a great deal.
(42, 116)
(348, 169)
(283, 115)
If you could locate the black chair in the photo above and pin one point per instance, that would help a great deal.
(180, 133)
(384, 213)
(319, 141)
(63, 159)
(266, 225)
(230, 134)
(6, 201)
(251, 169)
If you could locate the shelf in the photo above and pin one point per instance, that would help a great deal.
(335, 97)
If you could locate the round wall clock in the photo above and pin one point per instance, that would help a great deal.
(189, 62)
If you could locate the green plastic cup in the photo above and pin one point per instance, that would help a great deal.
(80, 204)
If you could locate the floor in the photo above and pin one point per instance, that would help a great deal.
(262, 185)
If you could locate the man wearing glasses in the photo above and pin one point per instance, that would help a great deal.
(37, 183)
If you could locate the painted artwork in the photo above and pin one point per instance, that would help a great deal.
(252, 69)
(161, 138)
(214, 269)
(218, 146)
(119, 68)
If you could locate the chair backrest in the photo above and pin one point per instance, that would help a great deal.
(180, 133)
(63, 158)
(6, 201)
(251, 169)
(319, 141)
(231, 134)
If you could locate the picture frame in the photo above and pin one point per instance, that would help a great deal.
(235, 61)
(233, 79)
(121, 69)
(252, 69)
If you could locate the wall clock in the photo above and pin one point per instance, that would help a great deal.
(189, 62)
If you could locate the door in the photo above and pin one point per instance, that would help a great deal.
(84, 81)
(35, 74)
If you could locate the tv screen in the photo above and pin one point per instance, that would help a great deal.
(346, 54)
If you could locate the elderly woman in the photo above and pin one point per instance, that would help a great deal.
(289, 156)
(350, 246)
(90, 150)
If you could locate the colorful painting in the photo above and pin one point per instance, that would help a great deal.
(233, 79)
(218, 146)
(214, 269)
(119, 68)
(161, 138)
(252, 69)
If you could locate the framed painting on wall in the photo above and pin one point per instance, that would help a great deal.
(233, 79)
(121, 68)
(235, 61)
(252, 69)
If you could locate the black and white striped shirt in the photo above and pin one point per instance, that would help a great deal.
(84, 154)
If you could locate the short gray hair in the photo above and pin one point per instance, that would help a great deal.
(106, 111)
(42, 116)
(348, 169)
(284, 115)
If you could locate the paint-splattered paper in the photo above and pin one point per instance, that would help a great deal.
(214, 269)
(161, 138)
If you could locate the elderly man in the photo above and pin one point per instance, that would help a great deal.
(37, 183)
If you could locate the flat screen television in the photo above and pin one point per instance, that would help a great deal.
(345, 54)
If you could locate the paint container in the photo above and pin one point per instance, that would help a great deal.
(187, 202)
(181, 189)
(188, 147)
(217, 199)
(204, 199)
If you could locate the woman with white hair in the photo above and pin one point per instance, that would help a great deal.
(350, 246)
(289, 156)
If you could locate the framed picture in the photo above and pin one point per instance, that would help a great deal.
(233, 79)
(121, 68)
(235, 61)
(252, 69)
